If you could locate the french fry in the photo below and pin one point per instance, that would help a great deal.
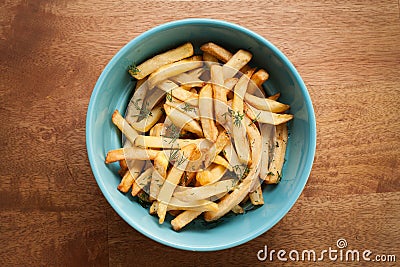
(130, 153)
(187, 178)
(184, 107)
(173, 69)
(190, 152)
(183, 121)
(265, 104)
(207, 113)
(150, 118)
(197, 205)
(237, 209)
(221, 161)
(219, 93)
(141, 181)
(136, 103)
(189, 79)
(256, 197)
(124, 126)
(212, 174)
(233, 159)
(217, 51)
(268, 117)
(189, 194)
(159, 175)
(257, 79)
(184, 218)
(130, 176)
(236, 62)
(238, 129)
(164, 142)
(156, 129)
(275, 169)
(156, 62)
(275, 96)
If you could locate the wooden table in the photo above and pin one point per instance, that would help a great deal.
(52, 52)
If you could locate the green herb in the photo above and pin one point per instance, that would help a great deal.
(169, 96)
(270, 174)
(255, 119)
(173, 132)
(228, 113)
(144, 112)
(181, 160)
(237, 118)
(173, 155)
(188, 108)
(133, 70)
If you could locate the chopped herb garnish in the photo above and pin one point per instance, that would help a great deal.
(133, 70)
(169, 96)
(237, 118)
(255, 119)
(144, 112)
(188, 108)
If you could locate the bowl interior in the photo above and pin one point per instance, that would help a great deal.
(114, 89)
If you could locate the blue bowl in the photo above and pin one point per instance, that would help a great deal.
(113, 90)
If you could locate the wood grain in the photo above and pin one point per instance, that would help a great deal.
(52, 52)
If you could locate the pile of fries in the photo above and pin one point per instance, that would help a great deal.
(199, 135)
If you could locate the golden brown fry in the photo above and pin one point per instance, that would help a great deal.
(159, 174)
(130, 153)
(263, 116)
(257, 79)
(187, 178)
(173, 69)
(184, 218)
(265, 104)
(156, 130)
(190, 194)
(151, 65)
(189, 79)
(130, 176)
(219, 93)
(124, 126)
(148, 121)
(223, 162)
(256, 197)
(212, 174)
(275, 96)
(236, 62)
(141, 181)
(183, 121)
(217, 51)
(267, 132)
(238, 128)
(184, 107)
(275, 169)
(136, 103)
(238, 209)
(207, 113)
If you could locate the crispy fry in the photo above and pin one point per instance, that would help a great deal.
(136, 103)
(130, 153)
(238, 129)
(124, 126)
(159, 174)
(189, 79)
(268, 117)
(212, 174)
(236, 62)
(146, 123)
(275, 169)
(174, 69)
(151, 65)
(141, 181)
(266, 136)
(257, 79)
(256, 197)
(207, 113)
(265, 104)
(130, 176)
(190, 152)
(219, 93)
(238, 209)
(184, 218)
(275, 96)
(183, 121)
(184, 107)
(156, 129)
(217, 51)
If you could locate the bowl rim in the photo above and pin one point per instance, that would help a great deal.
(203, 21)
